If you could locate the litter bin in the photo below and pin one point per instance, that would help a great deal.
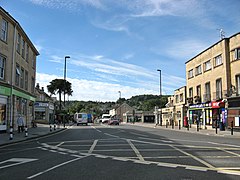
(221, 126)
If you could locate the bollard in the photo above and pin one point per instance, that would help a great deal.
(11, 133)
(179, 124)
(172, 124)
(216, 125)
(26, 131)
(167, 124)
(188, 127)
(54, 127)
(232, 128)
(50, 127)
(197, 125)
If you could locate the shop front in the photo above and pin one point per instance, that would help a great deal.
(200, 114)
(219, 114)
(233, 111)
(4, 96)
(44, 112)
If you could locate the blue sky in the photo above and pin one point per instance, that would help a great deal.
(119, 45)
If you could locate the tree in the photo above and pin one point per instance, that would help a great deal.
(60, 86)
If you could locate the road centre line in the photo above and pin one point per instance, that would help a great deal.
(135, 150)
(54, 167)
(93, 146)
(194, 157)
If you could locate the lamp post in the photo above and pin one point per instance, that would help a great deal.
(65, 67)
(160, 91)
(119, 94)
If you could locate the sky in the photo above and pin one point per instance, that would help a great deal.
(117, 46)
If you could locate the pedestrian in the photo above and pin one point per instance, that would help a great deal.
(20, 123)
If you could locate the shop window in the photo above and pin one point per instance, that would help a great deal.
(3, 115)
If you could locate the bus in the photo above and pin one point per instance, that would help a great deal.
(81, 118)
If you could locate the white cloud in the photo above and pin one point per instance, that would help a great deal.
(93, 90)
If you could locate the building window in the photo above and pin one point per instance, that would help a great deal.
(219, 89)
(218, 60)
(238, 85)
(17, 77)
(23, 48)
(177, 99)
(32, 85)
(190, 92)
(21, 78)
(190, 74)
(18, 42)
(181, 97)
(199, 90)
(27, 53)
(198, 70)
(237, 54)
(26, 80)
(207, 65)
(4, 30)
(207, 95)
(2, 66)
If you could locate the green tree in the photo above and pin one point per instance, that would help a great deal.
(60, 86)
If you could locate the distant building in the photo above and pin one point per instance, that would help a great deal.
(44, 107)
(17, 72)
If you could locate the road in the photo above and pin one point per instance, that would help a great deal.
(122, 152)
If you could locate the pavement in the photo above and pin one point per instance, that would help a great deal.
(44, 130)
(32, 133)
(209, 131)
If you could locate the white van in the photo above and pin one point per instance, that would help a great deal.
(81, 118)
(105, 118)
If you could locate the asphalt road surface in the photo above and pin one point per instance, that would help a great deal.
(122, 152)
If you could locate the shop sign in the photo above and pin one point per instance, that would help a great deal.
(202, 105)
(218, 104)
(41, 104)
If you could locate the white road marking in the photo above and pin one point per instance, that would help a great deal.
(16, 161)
(93, 146)
(54, 167)
(194, 157)
(135, 150)
(111, 135)
(60, 144)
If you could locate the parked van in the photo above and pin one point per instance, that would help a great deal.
(81, 118)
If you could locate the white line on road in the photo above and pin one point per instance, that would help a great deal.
(15, 161)
(93, 146)
(135, 150)
(60, 144)
(111, 135)
(54, 167)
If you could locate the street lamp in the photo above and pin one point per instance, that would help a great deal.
(119, 94)
(160, 90)
(65, 67)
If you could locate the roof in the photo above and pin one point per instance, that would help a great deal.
(211, 47)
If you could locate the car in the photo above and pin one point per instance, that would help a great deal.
(113, 122)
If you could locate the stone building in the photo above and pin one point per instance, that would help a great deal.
(17, 72)
(213, 84)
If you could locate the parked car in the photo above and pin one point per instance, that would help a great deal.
(113, 122)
